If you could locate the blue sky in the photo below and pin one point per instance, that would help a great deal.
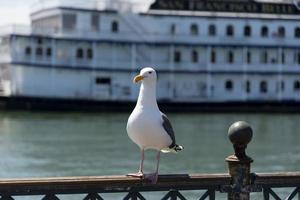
(17, 11)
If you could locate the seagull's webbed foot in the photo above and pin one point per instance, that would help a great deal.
(137, 175)
(153, 177)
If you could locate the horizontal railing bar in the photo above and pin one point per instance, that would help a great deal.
(283, 179)
(110, 184)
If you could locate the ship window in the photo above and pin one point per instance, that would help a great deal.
(173, 29)
(212, 30)
(248, 57)
(101, 80)
(39, 51)
(213, 56)
(229, 30)
(40, 41)
(263, 87)
(114, 27)
(282, 57)
(281, 32)
(298, 58)
(230, 57)
(194, 29)
(282, 85)
(264, 57)
(28, 51)
(49, 51)
(264, 31)
(79, 53)
(89, 53)
(297, 85)
(69, 21)
(248, 86)
(229, 85)
(177, 56)
(195, 56)
(247, 31)
(297, 32)
(95, 22)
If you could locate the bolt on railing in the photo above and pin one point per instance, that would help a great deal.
(238, 184)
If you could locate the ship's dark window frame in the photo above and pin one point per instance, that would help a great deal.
(194, 30)
(89, 53)
(49, 51)
(296, 85)
(177, 56)
(282, 85)
(264, 31)
(297, 32)
(281, 31)
(102, 81)
(39, 40)
(213, 56)
(195, 56)
(115, 26)
(39, 51)
(229, 85)
(212, 31)
(248, 86)
(263, 86)
(247, 31)
(79, 53)
(264, 57)
(69, 21)
(282, 57)
(298, 57)
(28, 51)
(230, 30)
(95, 22)
(173, 29)
(230, 57)
(249, 57)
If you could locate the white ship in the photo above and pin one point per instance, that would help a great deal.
(205, 51)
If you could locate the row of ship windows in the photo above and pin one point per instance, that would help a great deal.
(80, 52)
(230, 31)
(263, 86)
(247, 31)
(230, 56)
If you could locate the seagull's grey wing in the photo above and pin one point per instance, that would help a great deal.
(168, 128)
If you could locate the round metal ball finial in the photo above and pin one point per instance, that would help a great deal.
(240, 133)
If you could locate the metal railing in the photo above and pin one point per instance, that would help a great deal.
(238, 184)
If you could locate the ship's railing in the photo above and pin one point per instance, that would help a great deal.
(119, 5)
(237, 185)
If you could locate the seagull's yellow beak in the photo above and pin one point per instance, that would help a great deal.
(138, 78)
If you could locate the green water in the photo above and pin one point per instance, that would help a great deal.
(81, 144)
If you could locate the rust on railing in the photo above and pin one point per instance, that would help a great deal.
(238, 183)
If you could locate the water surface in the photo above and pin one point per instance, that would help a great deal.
(81, 144)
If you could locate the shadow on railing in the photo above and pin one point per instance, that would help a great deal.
(238, 184)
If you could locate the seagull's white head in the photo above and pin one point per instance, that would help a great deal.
(147, 75)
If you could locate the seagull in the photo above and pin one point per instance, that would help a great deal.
(147, 126)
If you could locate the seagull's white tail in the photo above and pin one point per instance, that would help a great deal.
(175, 149)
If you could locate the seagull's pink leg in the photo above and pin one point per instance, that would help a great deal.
(140, 173)
(154, 176)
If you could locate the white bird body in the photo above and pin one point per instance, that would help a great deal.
(145, 129)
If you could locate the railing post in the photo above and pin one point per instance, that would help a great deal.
(240, 134)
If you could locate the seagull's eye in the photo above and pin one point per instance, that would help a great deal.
(150, 72)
